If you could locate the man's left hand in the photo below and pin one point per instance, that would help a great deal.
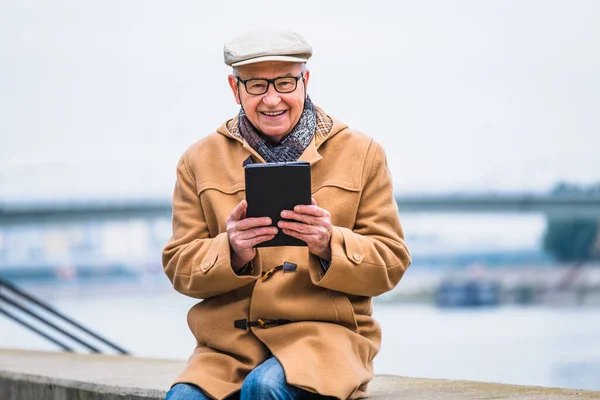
(313, 226)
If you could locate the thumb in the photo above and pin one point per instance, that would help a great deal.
(239, 212)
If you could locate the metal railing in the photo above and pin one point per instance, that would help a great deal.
(26, 304)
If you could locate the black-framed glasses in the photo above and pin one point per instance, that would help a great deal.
(283, 84)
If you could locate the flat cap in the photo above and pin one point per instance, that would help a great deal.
(266, 45)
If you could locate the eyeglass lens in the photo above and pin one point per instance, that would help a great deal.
(282, 85)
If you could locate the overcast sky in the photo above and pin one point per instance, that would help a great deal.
(100, 99)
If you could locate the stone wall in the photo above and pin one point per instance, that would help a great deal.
(30, 375)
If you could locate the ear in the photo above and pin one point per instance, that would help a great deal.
(234, 88)
(306, 77)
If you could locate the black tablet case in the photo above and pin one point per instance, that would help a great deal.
(274, 187)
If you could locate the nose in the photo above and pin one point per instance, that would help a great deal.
(271, 98)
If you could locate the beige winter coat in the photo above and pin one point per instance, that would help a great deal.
(330, 344)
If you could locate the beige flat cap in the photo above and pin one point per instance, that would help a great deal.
(266, 45)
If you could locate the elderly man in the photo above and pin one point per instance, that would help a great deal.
(282, 322)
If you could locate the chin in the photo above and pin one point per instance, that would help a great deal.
(273, 133)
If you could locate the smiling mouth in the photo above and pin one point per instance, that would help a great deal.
(273, 114)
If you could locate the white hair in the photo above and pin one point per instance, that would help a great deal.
(235, 72)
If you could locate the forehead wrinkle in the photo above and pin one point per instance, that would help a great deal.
(288, 75)
(258, 71)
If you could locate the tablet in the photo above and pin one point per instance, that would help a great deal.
(274, 187)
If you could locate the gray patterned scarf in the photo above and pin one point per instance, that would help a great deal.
(292, 146)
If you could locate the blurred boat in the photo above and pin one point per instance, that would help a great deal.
(468, 293)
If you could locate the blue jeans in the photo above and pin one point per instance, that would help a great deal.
(267, 381)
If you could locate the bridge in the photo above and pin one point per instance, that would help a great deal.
(562, 206)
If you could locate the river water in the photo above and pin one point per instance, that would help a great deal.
(538, 345)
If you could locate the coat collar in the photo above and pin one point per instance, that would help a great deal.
(325, 130)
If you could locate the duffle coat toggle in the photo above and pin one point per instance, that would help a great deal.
(286, 267)
(267, 323)
(263, 323)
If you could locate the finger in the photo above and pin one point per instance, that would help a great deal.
(305, 218)
(250, 243)
(249, 234)
(298, 227)
(254, 222)
(311, 210)
(314, 243)
(259, 239)
(308, 239)
(292, 216)
(313, 201)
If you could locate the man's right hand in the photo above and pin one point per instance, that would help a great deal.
(245, 233)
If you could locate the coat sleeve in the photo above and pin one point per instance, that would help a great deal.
(197, 265)
(371, 258)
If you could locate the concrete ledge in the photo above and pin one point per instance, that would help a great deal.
(21, 386)
(28, 375)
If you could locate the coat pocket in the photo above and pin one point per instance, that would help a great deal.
(225, 189)
(340, 198)
(192, 320)
(217, 202)
(344, 310)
